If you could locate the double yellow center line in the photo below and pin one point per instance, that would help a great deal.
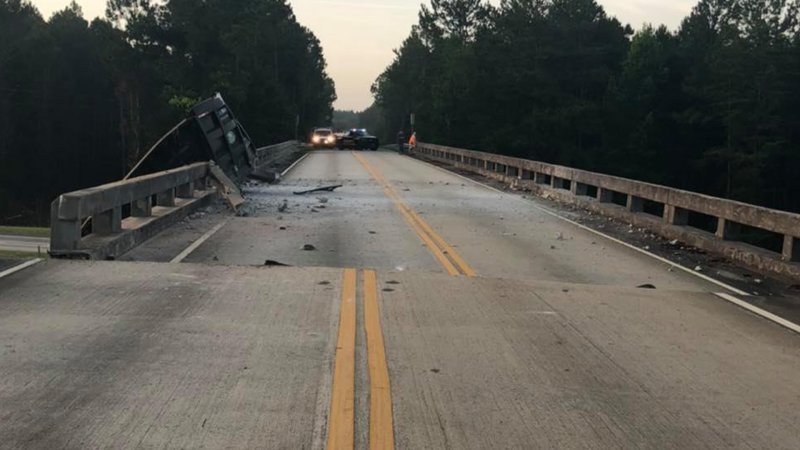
(341, 421)
(444, 253)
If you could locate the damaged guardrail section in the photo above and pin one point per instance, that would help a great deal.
(712, 224)
(151, 203)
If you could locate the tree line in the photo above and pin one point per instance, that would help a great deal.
(712, 107)
(81, 101)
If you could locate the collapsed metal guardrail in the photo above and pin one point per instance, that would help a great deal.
(641, 204)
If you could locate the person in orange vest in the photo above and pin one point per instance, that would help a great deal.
(413, 141)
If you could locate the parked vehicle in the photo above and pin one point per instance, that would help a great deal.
(358, 139)
(323, 138)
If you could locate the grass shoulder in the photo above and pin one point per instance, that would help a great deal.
(25, 231)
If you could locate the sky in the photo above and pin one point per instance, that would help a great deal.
(359, 36)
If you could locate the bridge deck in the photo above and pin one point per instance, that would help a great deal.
(551, 345)
(145, 354)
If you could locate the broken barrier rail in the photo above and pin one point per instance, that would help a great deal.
(126, 213)
(709, 223)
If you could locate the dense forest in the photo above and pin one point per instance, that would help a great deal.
(713, 106)
(80, 101)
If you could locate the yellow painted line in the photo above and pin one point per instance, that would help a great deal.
(465, 268)
(435, 243)
(381, 428)
(341, 420)
(436, 251)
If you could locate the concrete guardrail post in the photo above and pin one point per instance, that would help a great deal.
(728, 230)
(185, 190)
(142, 208)
(64, 233)
(676, 216)
(791, 248)
(108, 222)
(166, 198)
(604, 195)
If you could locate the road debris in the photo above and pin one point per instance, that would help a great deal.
(271, 263)
(308, 248)
(264, 175)
(226, 187)
(319, 189)
(646, 286)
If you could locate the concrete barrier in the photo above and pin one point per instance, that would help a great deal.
(663, 210)
(151, 203)
(269, 154)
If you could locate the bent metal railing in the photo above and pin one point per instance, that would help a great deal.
(639, 202)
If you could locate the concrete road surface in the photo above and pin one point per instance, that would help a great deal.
(421, 311)
(359, 226)
(24, 243)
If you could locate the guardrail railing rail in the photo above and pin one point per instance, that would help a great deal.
(104, 205)
(639, 201)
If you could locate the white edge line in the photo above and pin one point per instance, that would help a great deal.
(198, 243)
(289, 169)
(598, 233)
(20, 267)
(756, 310)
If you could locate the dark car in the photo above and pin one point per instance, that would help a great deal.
(358, 139)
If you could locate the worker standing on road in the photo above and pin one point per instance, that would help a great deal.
(412, 143)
